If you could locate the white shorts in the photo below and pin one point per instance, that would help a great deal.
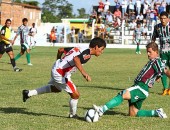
(60, 82)
(67, 85)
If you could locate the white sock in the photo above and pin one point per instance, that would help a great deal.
(73, 106)
(44, 89)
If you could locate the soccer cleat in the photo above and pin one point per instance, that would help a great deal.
(165, 92)
(73, 116)
(30, 64)
(139, 52)
(25, 95)
(161, 113)
(168, 91)
(99, 109)
(16, 69)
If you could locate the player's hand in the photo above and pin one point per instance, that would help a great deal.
(87, 77)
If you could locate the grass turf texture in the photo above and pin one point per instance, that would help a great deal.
(110, 73)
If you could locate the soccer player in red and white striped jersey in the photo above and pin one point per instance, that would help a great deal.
(63, 68)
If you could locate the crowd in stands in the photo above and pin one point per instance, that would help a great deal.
(132, 12)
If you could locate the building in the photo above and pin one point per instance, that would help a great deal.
(17, 11)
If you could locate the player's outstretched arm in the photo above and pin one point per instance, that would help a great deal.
(14, 39)
(59, 53)
(81, 69)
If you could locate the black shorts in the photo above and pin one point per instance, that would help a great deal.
(5, 47)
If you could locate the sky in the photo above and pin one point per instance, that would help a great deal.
(87, 4)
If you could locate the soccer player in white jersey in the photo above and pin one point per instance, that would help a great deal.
(23, 31)
(33, 32)
(138, 92)
(162, 31)
(64, 67)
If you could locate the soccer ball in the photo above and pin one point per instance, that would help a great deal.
(91, 115)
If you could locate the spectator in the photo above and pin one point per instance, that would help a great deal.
(164, 4)
(157, 3)
(124, 7)
(53, 37)
(101, 6)
(132, 25)
(131, 7)
(160, 9)
(109, 17)
(106, 6)
(107, 34)
(145, 8)
(138, 6)
(72, 34)
(94, 14)
(117, 13)
(80, 36)
(140, 18)
(152, 4)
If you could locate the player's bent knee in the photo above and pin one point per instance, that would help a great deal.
(75, 95)
(54, 89)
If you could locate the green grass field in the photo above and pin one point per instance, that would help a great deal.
(110, 73)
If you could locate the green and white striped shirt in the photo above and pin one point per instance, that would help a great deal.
(163, 33)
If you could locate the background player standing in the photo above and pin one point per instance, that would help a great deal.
(162, 31)
(23, 31)
(137, 37)
(33, 32)
(5, 44)
(64, 67)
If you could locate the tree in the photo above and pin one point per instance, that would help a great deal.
(55, 10)
(35, 3)
(82, 13)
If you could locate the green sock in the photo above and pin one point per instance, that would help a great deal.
(113, 103)
(137, 48)
(147, 113)
(164, 81)
(28, 57)
(17, 57)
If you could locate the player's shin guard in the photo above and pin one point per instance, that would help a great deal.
(116, 101)
(44, 89)
(18, 56)
(73, 106)
(13, 62)
(28, 58)
(147, 113)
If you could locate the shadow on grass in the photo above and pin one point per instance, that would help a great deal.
(112, 88)
(4, 70)
(115, 113)
(17, 110)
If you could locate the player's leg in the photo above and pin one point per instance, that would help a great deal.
(10, 53)
(51, 87)
(116, 101)
(74, 96)
(27, 54)
(21, 53)
(164, 77)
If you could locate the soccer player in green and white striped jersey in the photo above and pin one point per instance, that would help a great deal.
(162, 31)
(138, 92)
(137, 37)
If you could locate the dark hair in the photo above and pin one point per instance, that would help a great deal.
(8, 20)
(152, 45)
(164, 14)
(24, 19)
(97, 42)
